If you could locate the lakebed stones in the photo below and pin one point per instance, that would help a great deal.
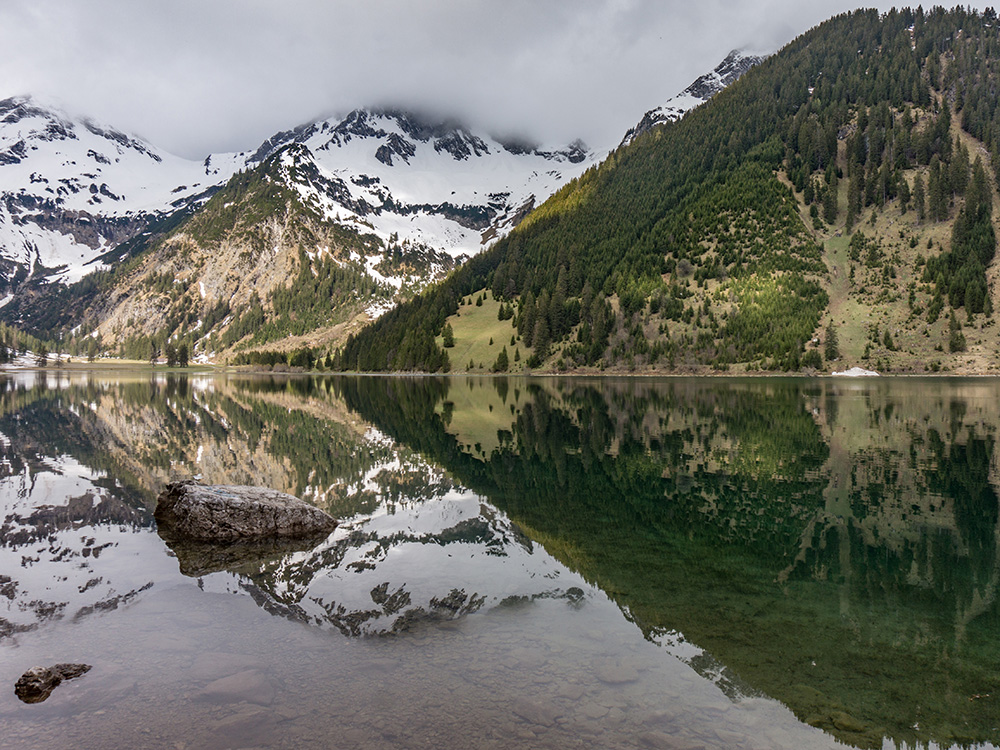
(37, 683)
(225, 513)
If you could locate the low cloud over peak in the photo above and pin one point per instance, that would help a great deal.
(197, 77)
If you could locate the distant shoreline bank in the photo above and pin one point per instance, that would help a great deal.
(133, 366)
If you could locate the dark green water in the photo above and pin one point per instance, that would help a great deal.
(612, 563)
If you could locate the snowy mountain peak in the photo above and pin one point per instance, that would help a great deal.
(26, 123)
(72, 188)
(429, 181)
(704, 88)
(395, 135)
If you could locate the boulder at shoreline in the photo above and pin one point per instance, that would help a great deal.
(227, 513)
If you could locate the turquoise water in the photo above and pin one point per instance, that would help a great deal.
(520, 563)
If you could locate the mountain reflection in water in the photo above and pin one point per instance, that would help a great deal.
(830, 544)
(833, 544)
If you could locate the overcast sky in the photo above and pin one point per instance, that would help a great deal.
(197, 76)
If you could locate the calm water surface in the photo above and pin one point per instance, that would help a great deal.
(520, 563)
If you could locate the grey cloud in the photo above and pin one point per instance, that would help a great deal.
(196, 76)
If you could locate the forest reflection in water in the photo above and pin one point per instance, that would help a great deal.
(829, 544)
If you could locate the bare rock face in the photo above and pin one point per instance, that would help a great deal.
(37, 683)
(224, 513)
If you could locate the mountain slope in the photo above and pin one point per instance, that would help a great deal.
(427, 180)
(265, 259)
(424, 192)
(723, 240)
(704, 88)
(72, 189)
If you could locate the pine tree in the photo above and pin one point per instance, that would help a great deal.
(830, 199)
(904, 195)
(502, 363)
(960, 169)
(557, 307)
(831, 349)
(541, 338)
(936, 198)
(526, 319)
(448, 335)
(919, 198)
(956, 339)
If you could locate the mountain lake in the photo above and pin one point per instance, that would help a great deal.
(525, 562)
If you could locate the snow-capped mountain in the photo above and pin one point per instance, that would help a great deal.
(71, 189)
(704, 88)
(432, 182)
(392, 199)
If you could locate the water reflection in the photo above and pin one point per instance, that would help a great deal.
(412, 546)
(833, 545)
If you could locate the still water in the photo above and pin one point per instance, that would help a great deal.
(520, 563)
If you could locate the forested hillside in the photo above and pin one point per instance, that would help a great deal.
(833, 207)
(261, 272)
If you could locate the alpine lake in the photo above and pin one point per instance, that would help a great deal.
(524, 562)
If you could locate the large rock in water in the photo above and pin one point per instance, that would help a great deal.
(37, 683)
(223, 513)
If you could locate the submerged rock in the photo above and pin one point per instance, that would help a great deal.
(247, 556)
(37, 683)
(224, 513)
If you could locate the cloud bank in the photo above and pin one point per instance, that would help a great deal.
(201, 76)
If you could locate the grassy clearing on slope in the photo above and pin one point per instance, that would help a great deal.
(877, 297)
(474, 327)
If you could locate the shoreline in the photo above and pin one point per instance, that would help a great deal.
(132, 366)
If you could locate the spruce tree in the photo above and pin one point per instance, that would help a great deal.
(919, 198)
(541, 338)
(831, 349)
(830, 199)
(502, 363)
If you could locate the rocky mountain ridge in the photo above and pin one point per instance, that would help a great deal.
(704, 88)
(72, 190)
(364, 210)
